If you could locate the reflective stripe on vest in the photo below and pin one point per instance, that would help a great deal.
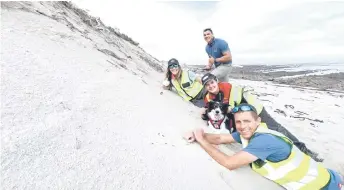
(251, 99)
(235, 96)
(189, 92)
(298, 171)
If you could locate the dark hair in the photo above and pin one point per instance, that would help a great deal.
(168, 74)
(208, 29)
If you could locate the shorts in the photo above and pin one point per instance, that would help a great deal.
(222, 72)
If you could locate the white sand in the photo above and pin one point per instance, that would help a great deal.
(72, 120)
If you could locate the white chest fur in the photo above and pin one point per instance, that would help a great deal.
(218, 129)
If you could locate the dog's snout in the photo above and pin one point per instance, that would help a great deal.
(217, 111)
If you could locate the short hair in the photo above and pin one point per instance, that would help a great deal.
(254, 114)
(208, 29)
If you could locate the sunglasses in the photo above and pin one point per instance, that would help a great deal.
(174, 66)
(243, 108)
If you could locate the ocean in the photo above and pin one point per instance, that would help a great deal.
(317, 68)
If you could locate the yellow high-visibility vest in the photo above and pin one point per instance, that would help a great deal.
(237, 93)
(298, 171)
(186, 88)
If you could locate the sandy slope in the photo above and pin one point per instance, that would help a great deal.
(74, 118)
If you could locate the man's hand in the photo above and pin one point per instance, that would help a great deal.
(189, 137)
(199, 135)
(203, 110)
(207, 67)
(211, 60)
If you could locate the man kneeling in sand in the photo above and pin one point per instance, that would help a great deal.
(269, 153)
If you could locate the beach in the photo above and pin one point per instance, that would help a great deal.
(82, 108)
(328, 77)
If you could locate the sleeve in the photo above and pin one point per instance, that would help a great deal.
(266, 145)
(236, 137)
(223, 45)
(192, 76)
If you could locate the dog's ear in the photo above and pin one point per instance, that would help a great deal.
(225, 104)
(224, 107)
(211, 104)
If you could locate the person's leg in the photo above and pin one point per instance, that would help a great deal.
(228, 69)
(222, 72)
(198, 103)
(199, 99)
(274, 125)
(202, 94)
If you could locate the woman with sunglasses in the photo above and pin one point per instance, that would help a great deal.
(186, 83)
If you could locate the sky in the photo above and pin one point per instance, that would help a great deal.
(257, 32)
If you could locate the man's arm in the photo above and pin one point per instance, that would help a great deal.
(219, 138)
(227, 56)
(238, 160)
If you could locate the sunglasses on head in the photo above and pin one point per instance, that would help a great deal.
(243, 108)
(173, 66)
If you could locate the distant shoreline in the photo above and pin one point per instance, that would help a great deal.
(279, 74)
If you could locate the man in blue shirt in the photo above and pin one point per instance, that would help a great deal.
(269, 153)
(219, 56)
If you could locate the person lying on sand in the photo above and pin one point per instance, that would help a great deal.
(268, 152)
(186, 83)
(233, 95)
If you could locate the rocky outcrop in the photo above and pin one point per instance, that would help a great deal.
(325, 82)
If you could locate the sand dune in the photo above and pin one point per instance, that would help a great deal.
(81, 109)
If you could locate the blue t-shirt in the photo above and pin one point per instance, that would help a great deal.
(274, 149)
(216, 49)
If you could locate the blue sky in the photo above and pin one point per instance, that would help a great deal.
(264, 31)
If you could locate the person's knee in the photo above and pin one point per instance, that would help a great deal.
(199, 103)
(219, 75)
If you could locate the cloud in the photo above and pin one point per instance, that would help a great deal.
(265, 31)
(284, 31)
(163, 30)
